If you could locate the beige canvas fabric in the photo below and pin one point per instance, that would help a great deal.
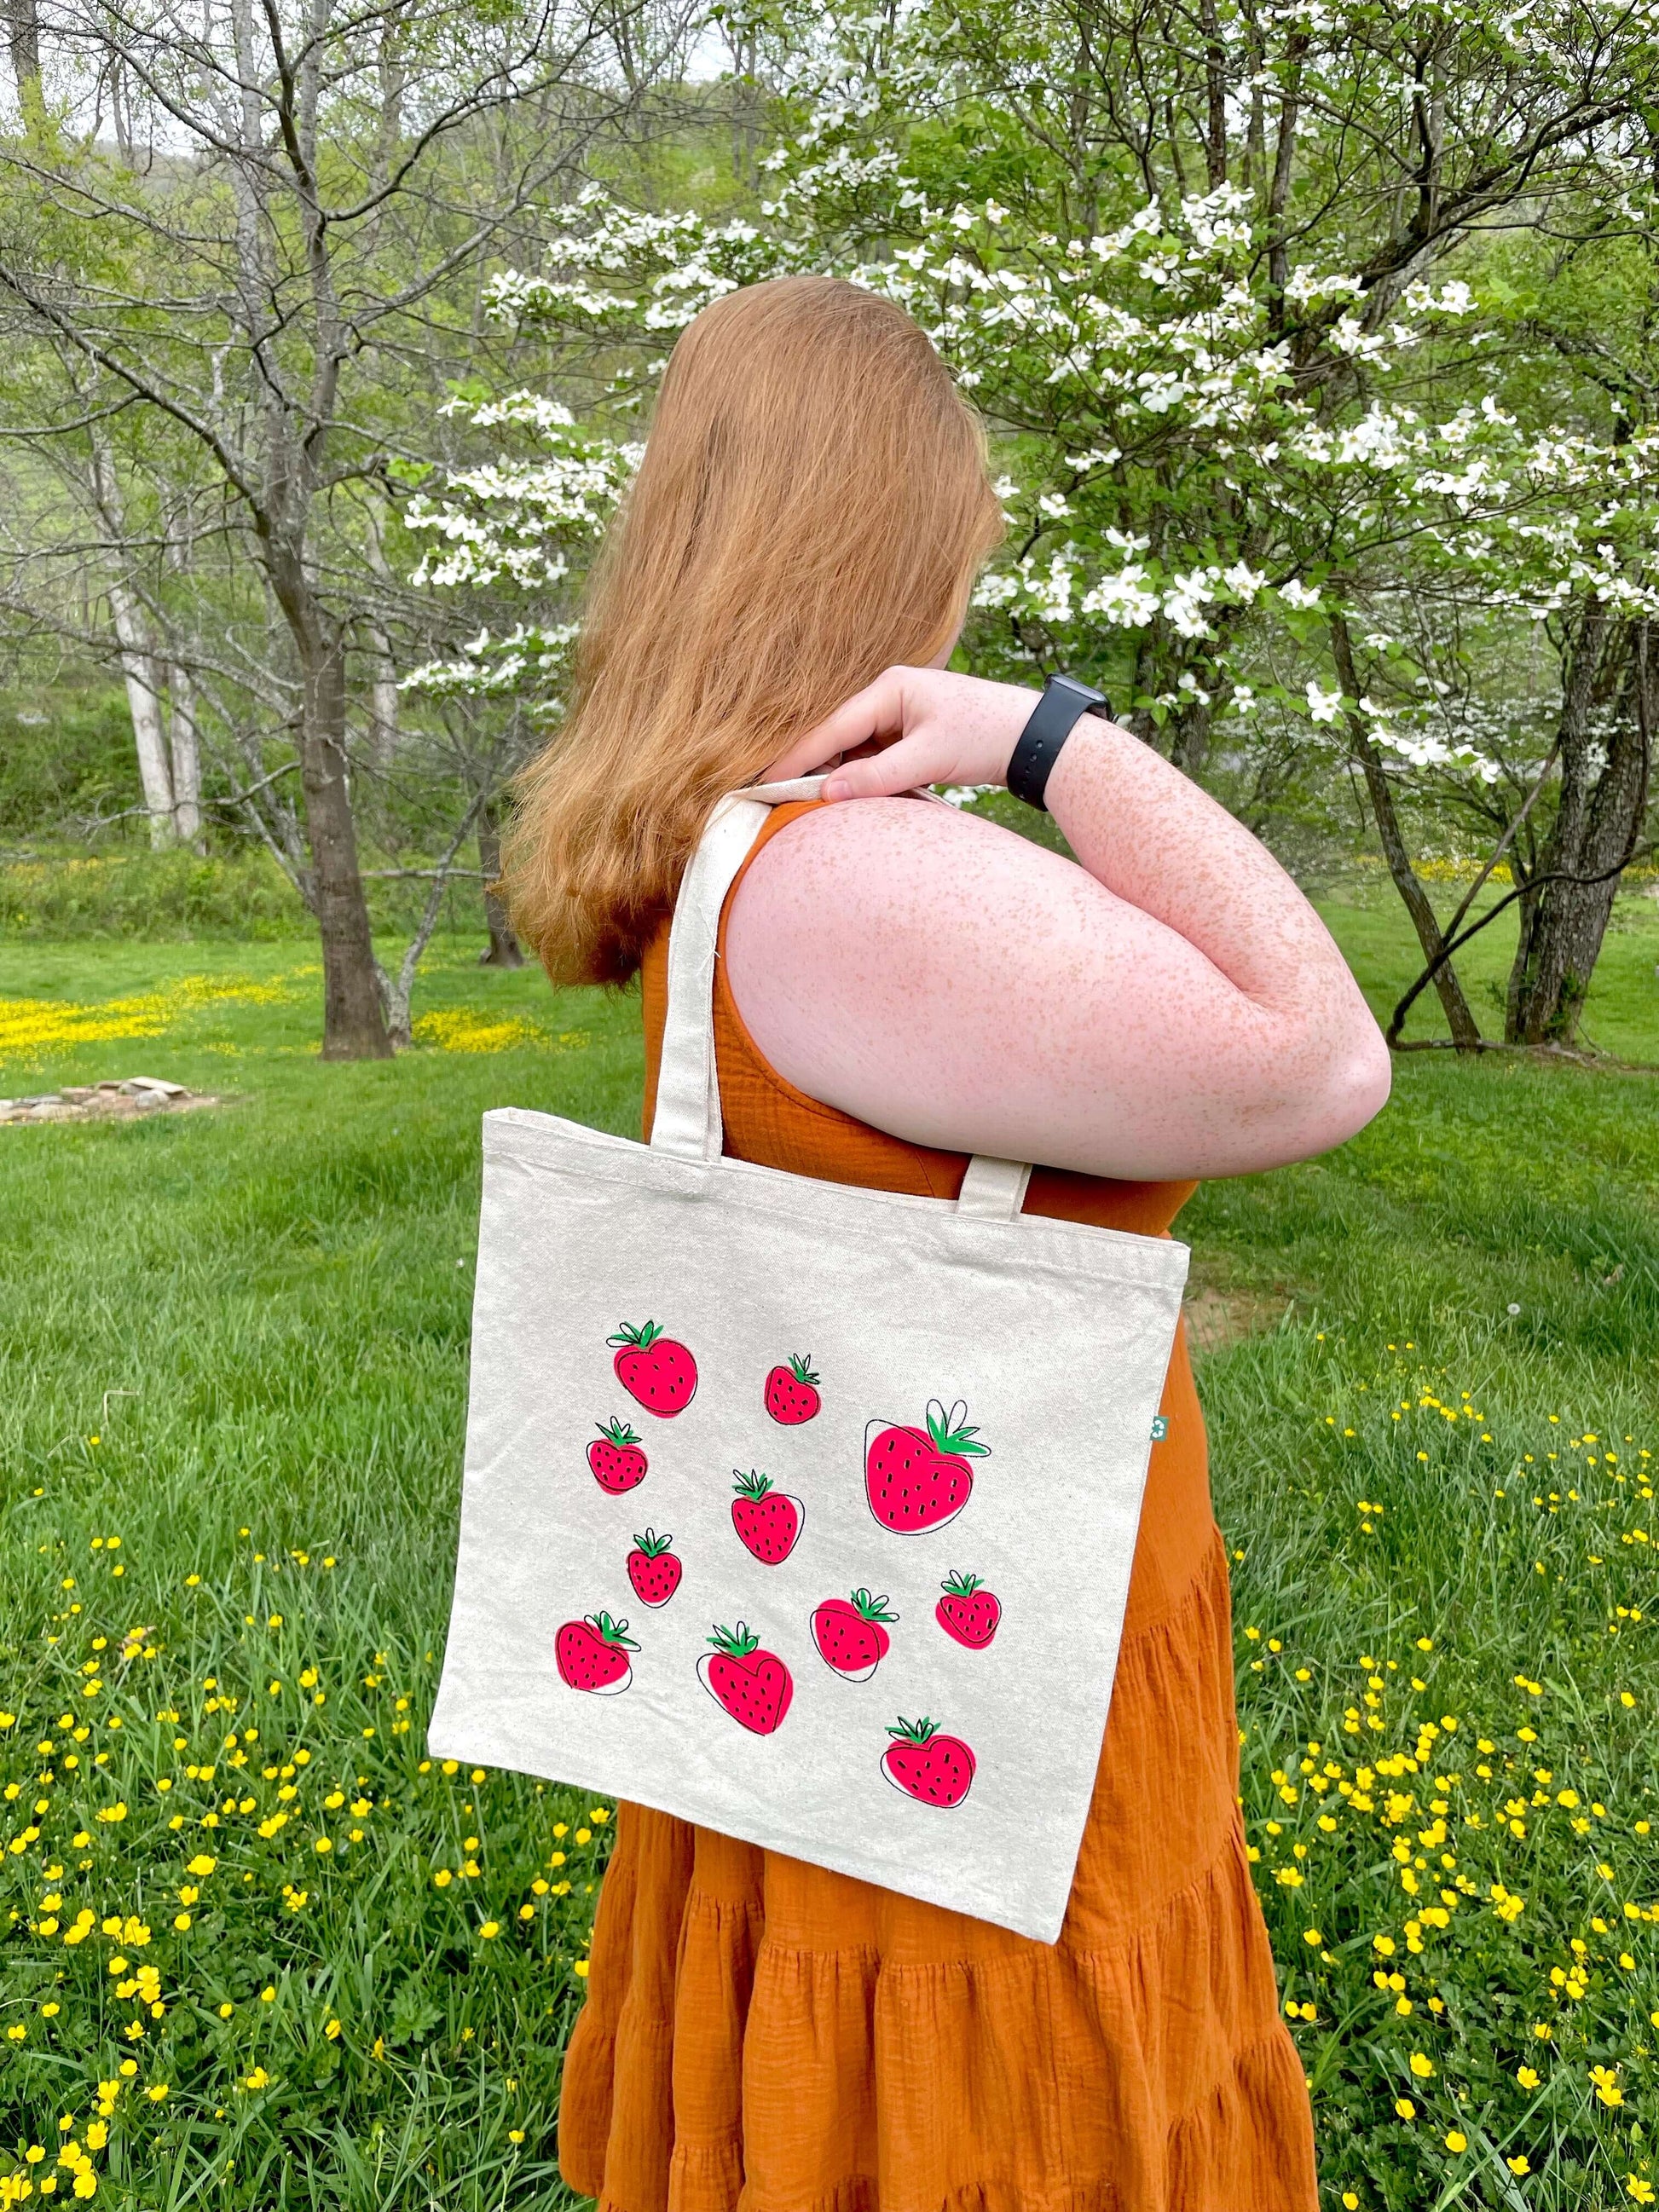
(898, 1448)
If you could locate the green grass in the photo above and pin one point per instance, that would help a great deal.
(236, 1341)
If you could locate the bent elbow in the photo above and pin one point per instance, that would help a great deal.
(1322, 1096)
(1358, 1081)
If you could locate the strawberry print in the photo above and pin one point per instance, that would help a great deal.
(592, 1655)
(791, 1396)
(651, 1367)
(769, 1521)
(918, 1478)
(849, 1635)
(934, 1769)
(968, 1611)
(615, 1456)
(753, 1686)
(652, 1569)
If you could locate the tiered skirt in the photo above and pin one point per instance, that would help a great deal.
(762, 2036)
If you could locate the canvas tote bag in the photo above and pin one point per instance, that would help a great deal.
(802, 1511)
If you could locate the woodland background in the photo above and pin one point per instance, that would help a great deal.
(1317, 343)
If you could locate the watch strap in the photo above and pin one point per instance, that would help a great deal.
(1051, 721)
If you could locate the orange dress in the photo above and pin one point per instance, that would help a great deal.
(764, 2036)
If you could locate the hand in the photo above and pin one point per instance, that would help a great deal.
(926, 726)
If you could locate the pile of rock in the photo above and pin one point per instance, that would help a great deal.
(122, 1101)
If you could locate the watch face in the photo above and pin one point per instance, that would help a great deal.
(1084, 691)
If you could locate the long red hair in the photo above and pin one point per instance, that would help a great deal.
(812, 508)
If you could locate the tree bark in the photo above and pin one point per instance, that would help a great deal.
(382, 705)
(137, 665)
(23, 37)
(1215, 90)
(354, 1017)
(1466, 1034)
(184, 736)
(1189, 740)
(1603, 803)
(186, 747)
(504, 950)
(1278, 190)
(138, 669)
(354, 1024)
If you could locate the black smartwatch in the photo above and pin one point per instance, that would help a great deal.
(1051, 721)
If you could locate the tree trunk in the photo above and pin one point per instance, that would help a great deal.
(1466, 1034)
(137, 666)
(1189, 735)
(504, 950)
(1604, 796)
(184, 744)
(1278, 189)
(184, 735)
(354, 1016)
(1215, 86)
(23, 36)
(145, 709)
(354, 1024)
(382, 706)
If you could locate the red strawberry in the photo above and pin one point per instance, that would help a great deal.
(616, 1458)
(791, 1394)
(753, 1686)
(592, 1655)
(652, 1569)
(651, 1367)
(849, 1635)
(934, 1769)
(917, 1479)
(768, 1520)
(967, 1611)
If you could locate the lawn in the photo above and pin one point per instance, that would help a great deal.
(262, 1952)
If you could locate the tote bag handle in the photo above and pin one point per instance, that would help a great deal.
(687, 1122)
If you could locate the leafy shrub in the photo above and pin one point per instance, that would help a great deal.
(177, 896)
(173, 895)
(65, 751)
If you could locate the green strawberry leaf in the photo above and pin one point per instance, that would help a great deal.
(914, 1731)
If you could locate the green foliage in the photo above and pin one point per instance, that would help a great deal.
(64, 751)
(180, 896)
(301, 1260)
(154, 896)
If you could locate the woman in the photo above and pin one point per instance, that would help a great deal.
(903, 984)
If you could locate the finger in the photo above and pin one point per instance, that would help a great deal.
(910, 765)
(876, 712)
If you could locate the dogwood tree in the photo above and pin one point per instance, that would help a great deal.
(1258, 469)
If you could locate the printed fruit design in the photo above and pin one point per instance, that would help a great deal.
(934, 1769)
(918, 1478)
(791, 1394)
(652, 1569)
(753, 1686)
(766, 1520)
(592, 1655)
(849, 1633)
(651, 1367)
(616, 1458)
(967, 1611)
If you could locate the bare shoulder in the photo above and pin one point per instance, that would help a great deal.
(925, 969)
(877, 857)
(878, 918)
